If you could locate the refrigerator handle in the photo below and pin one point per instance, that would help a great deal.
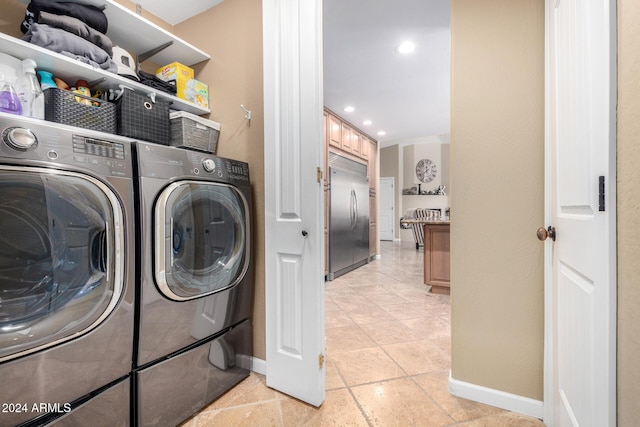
(352, 209)
(355, 204)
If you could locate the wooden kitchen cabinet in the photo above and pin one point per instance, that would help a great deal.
(355, 143)
(437, 270)
(325, 181)
(335, 131)
(346, 137)
(372, 157)
(364, 147)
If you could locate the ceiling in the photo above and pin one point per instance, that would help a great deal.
(176, 11)
(407, 96)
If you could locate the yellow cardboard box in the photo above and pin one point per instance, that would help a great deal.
(187, 87)
(175, 71)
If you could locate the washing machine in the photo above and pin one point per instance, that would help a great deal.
(67, 261)
(195, 281)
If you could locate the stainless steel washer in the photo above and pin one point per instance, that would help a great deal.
(67, 256)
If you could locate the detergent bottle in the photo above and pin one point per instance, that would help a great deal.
(9, 100)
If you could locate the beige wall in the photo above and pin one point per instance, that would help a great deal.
(11, 15)
(497, 188)
(628, 212)
(232, 34)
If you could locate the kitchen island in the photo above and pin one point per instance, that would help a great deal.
(436, 254)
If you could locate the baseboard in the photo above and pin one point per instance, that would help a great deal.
(259, 366)
(511, 402)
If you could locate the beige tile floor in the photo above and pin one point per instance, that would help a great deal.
(388, 359)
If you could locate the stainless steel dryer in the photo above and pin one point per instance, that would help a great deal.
(196, 281)
(67, 254)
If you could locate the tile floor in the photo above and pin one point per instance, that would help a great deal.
(388, 358)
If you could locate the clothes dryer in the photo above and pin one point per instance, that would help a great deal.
(67, 254)
(195, 281)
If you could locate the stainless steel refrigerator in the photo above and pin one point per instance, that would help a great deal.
(348, 215)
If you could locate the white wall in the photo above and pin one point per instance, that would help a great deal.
(412, 154)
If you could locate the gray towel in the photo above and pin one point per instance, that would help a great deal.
(79, 28)
(71, 45)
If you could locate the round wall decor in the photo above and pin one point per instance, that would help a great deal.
(426, 170)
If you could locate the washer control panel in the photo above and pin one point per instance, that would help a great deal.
(98, 147)
(49, 144)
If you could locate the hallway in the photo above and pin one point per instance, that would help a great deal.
(388, 360)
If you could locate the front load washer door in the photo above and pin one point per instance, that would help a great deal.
(201, 239)
(61, 257)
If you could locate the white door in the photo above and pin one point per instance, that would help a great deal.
(294, 198)
(386, 209)
(580, 288)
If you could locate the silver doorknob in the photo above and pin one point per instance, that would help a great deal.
(543, 233)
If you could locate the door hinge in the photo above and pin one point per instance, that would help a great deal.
(320, 361)
(601, 206)
(319, 174)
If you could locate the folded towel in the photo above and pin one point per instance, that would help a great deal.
(94, 17)
(79, 28)
(71, 45)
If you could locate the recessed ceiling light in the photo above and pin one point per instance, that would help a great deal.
(382, 133)
(349, 109)
(367, 122)
(406, 47)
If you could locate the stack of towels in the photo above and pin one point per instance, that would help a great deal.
(76, 29)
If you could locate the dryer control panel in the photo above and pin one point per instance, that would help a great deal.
(231, 170)
(237, 170)
(165, 162)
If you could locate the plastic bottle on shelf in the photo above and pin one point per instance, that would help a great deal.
(9, 100)
(46, 80)
(30, 92)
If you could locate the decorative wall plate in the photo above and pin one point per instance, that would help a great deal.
(426, 170)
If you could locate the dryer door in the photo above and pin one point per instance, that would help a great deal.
(202, 239)
(61, 257)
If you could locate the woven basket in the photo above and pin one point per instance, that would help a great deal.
(194, 133)
(140, 118)
(63, 106)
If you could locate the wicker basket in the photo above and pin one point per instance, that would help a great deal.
(66, 107)
(140, 118)
(191, 131)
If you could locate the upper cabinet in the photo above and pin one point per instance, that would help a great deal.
(344, 138)
(347, 137)
(335, 132)
(132, 32)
